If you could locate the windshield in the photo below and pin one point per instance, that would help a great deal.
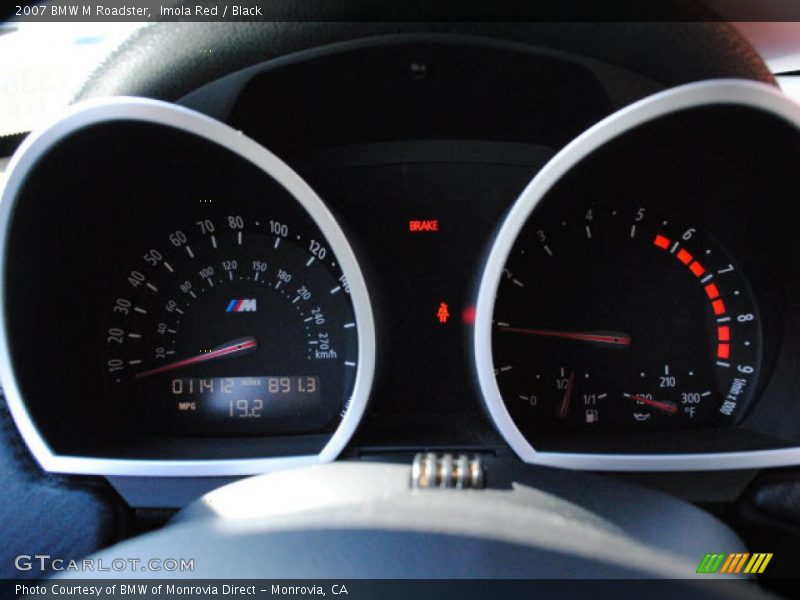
(43, 65)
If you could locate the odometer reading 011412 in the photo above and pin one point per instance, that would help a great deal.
(614, 320)
(233, 325)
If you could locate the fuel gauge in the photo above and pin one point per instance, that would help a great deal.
(611, 320)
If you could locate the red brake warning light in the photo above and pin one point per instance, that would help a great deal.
(419, 226)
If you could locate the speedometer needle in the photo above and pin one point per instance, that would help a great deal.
(228, 349)
(665, 406)
(598, 337)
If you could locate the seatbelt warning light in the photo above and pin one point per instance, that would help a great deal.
(419, 226)
(443, 313)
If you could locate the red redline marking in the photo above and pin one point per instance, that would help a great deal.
(684, 256)
(724, 333)
(711, 291)
(661, 241)
(697, 269)
(723, 351)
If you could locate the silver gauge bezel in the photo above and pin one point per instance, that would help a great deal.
(94, 112)
(758, 96)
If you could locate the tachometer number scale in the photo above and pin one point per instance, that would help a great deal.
(616, 320)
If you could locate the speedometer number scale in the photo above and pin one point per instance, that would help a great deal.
(233, 325)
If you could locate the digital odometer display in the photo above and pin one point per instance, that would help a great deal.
(210, 307)
(256, 398)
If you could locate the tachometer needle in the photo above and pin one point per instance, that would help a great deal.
(597, 337)
(665, 406)
(228, 349)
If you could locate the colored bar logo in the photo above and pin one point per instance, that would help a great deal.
(735, 562)
(245, 305)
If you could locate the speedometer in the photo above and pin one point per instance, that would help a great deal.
(218, 321)
(231, 324)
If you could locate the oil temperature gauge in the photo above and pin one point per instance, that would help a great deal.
(611, 321)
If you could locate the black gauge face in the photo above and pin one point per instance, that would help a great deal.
(232, 324)
(611, 319)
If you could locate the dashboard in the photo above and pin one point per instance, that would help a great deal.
(390, 246)
(497, 300)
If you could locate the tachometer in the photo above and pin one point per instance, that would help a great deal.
(617, 319)
(626, 316)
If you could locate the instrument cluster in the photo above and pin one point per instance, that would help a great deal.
(230, 285)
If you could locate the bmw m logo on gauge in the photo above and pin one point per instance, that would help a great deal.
(245, 305)
(278, 367)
